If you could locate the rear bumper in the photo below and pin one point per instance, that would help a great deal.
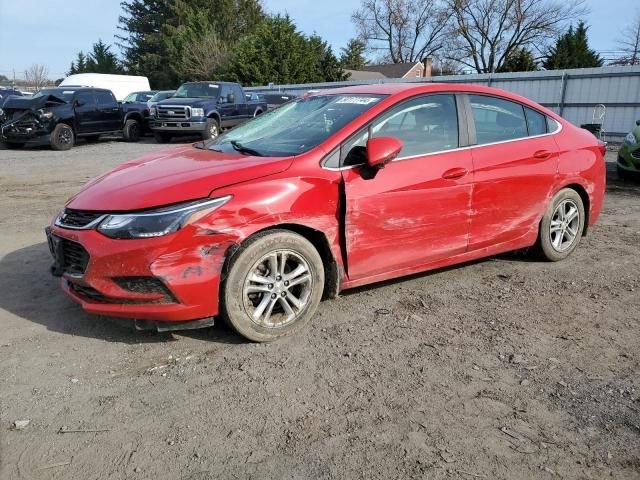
(186, 266)
(174, 126)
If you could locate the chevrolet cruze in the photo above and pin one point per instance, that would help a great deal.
(330, 191)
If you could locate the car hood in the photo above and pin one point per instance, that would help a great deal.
(192, 102)
(171, 176)
(28, 103)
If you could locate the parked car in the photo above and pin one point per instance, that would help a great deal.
(204, 109)
(161, 95)
(120, 85)
(139, 97)
(328, 192)
(60, 115)
(629, 154)
(140, 101)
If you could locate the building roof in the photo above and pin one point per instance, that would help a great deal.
(391, 70)
(364, 75)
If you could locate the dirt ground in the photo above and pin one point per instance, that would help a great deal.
(506, 368)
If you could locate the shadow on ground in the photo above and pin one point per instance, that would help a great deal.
(28, 290)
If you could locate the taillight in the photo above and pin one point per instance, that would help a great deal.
(602, 146)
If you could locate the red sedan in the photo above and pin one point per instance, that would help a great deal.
(330, 191)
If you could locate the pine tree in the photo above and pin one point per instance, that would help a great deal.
(352, 56)
(572, 51)
(100, 60)
(520, 60)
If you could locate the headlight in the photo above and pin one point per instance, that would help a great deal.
(153, 111)
(197, 112)
(630, 139)
(158, 222)
(44, 115)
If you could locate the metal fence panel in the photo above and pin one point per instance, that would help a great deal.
(571, 93)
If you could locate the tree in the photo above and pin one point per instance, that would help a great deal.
(630, 43)
(403, 30)
(572, 51)
(205, 58)
(352, 56)
(519, 60)
(37, 75)
(100, 60)
(142, 40)
(485, 33)
(278, 52)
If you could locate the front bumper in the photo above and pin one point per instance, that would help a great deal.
(176, 126)
(24, 129)
(186, 265)
(629, 157)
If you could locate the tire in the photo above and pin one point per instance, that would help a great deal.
(557, 244)
(62, 137)
(162, 137)
(132, 130)
(243, 308)
(212, 130)
(256, 113)
(13, 145)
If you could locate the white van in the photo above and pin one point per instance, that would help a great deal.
(120, 85)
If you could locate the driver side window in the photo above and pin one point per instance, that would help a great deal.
(424, 125)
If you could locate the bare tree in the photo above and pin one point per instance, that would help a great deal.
(404, 30)
(630, 44)
(204, 58)
(37, 75)
(485, 32)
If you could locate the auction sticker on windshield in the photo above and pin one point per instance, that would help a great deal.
(358, 100)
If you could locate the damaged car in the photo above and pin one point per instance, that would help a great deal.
(330, 191)
(59, 116)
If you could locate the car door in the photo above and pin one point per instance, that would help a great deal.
(242, 108)
(86, 111)
(109, 112)
(226, 107)
(515, 162)
(416, 209)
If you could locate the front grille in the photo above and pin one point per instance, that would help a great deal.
(76, 258)
(173, 112)
(146, 285)
(77, 218)
(95, 296)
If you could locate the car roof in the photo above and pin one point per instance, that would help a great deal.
(409, 89)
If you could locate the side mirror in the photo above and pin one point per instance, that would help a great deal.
(382, 150)
(638, 123)
(231, 98)
(79, 103)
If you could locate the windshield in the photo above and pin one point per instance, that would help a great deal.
(60, 93)
(138, 97)
(197, 90)
(295, 127)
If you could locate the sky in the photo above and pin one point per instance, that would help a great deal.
(52, 32)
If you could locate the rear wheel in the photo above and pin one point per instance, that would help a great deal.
(212, 130)
(131, 130)
(162, 137)
(274, 286)
(62, 137)
(561, 226)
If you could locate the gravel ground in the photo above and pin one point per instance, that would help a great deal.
(505, 368)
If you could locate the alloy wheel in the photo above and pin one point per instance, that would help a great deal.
(64, 136)
(277, 289)
(565, 222)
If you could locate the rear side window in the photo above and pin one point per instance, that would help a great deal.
(536, 122)
(497, 120)
(106, 99)
(85, 99)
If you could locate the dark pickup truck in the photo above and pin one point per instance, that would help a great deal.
(58, 116)
(203, 109)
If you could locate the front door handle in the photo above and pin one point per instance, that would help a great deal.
(542, 154)
(454, 173)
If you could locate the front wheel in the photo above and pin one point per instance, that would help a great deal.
(212, 130)
(561, 226)
(62, 137)
(274, 286)
(131, 130)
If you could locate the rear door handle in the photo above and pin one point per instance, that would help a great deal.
(454, 173)
(542, 154)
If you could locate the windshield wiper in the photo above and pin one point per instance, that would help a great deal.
(242, 149)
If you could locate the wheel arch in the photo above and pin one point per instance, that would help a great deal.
(214, 114)
(133, 116)
(332, 270)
